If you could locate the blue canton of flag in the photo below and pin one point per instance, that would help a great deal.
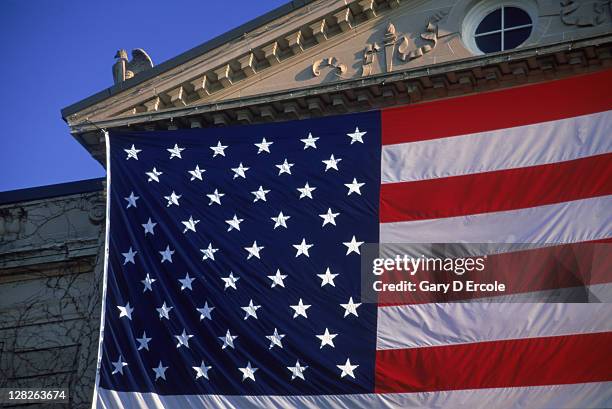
(233, 261)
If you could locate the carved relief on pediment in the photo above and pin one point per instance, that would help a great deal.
(407, 50)
(583, 14)
(400, 47)
(408, 39)
(339, 69)
(369, 59)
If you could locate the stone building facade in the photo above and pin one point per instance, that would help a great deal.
(305, 59)
(51, 249)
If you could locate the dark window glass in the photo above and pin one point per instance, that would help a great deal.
(491, 22)
(513, 16)
(514, 38)
(489, 43)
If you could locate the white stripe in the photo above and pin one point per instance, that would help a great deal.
(426, 325)
(567, 222)
(583, 395)
(529, 145)
(595, 293)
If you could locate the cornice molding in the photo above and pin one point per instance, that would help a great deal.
(455, 78)
(221, 68)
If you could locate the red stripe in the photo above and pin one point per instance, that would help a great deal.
(579, 95)
(557, 267)
(501, 190)
(509, 363)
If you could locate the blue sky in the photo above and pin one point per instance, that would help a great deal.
(57, 52)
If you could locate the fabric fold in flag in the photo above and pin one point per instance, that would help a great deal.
(233, 273)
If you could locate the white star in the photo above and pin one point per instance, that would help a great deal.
(253, 250)
(239, 171)
(264, 146)
(149, 226)
(160, 371)
(331, 163)
(209, 252)
(280, 220)
(350, 307)
(302, 248)
(329, 217)
(190, 224)
(228, 340)
(356, 136)
(175, 152)
(196, 173)
(215, 197)
(131, 199)
(327, 339)
(129, 256)
(202, 370)
(327, 278)
(183, 339)
(125, 311)
(173, 199)
(205, 311)
(353, 246)
(347, 369)
(251, 310)
(277, 279)
(167, 254)
(118, 366)
(284, 167)
(275, 339)
(132, 152)
(310, 141)
(306, 191)
(248, 372)
(230, 281)
(354, 186)
(300, 309)
(218, 150)
(297, 371)
(153, 175)
(144, 341)
(164, 311)
(186, 282)
(260, 194)
(147, 283)
(234, 223)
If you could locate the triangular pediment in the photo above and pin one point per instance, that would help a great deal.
(321, 42)
(328, 45)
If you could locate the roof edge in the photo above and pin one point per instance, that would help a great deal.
(185, 56)
(50, 191)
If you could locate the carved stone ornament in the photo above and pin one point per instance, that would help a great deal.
(339, 68)
(407, 53)
(97, 212)
(369, 58)
(12, 222)
(124, 69)
(573, 14)
(390, 38)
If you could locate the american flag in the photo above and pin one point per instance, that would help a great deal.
(233, 264)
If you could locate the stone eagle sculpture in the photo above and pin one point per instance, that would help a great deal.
(124, 69)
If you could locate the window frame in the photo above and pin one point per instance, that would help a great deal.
(475, 16)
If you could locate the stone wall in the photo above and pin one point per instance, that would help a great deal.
(51, 264)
